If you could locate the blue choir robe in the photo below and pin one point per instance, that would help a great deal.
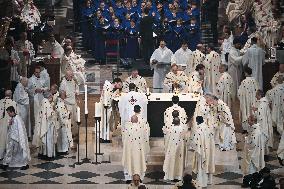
(125, 23)
(105, 12)
(132, 46)
(99, 50)
(178, 37)
(87, 26)
(120, 12)
(167, 34)
(116, 33)
(186, 18)
(196, 13)
(193, 36)
(171, 18)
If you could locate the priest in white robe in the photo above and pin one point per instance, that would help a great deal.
(168, 119)
(36, 87)
(182, 56)
(226, 47)
(175, 151)
(18, 152)
(45, 134)
(263, 116)
(247, 97)
(235, 65)
(197, 57)
(196, 80)
(72, 62)
(226, 128)
(133, 154)
(110, 92)
(254, 58)
(53, 47)
(54, 92)
(254, 148)
(225, 86)
(276, 98)
(44, 75)
(160, 61)
(274, 81)
(212, 62)
(21, 97)
(64, 138)
(70, 86)
(175, 80)
(203, 160)
(128, 101)
(26, 53)
(139, 81)
(4, 119)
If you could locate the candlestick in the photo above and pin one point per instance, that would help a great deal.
(86, 99)
(78, 114)
(148, 91)
(98, 112)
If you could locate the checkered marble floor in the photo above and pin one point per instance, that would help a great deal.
(61, 172)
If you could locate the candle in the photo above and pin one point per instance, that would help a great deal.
(98, 112)
(86, 100)
(148, 91)
(78, 114)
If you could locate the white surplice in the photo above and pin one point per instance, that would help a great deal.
(212, 74)
(180, 78)
(225, 48)
(254, 150)
(195, 83)
(254, 58)
(168, 120)
(21, 97)
(203, 160)
(235, 68)
(163, 56)
(106, 106)
(196, 58)
(72, 89)
(225, 88)
(181, 57)
(226, 128)
(64, 139)
(45, 133)
(139, 81)
(35, 98)
(18, 151)
(264, 118)
(246, 95)
(175, 152)
(126, 105)
(4, 122)
(23, 47)
(45, 77)
(134, 152)
(276, 98)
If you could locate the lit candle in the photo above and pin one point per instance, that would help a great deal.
(98, 112)
(86, 100)
(78, 114)
(148, 91)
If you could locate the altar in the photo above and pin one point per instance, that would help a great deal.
(159, 102)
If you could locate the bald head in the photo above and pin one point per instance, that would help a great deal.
(8, 93)
(280, 79)
(24, 81)
(134, 119)
(199, 47)
(69, 75)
